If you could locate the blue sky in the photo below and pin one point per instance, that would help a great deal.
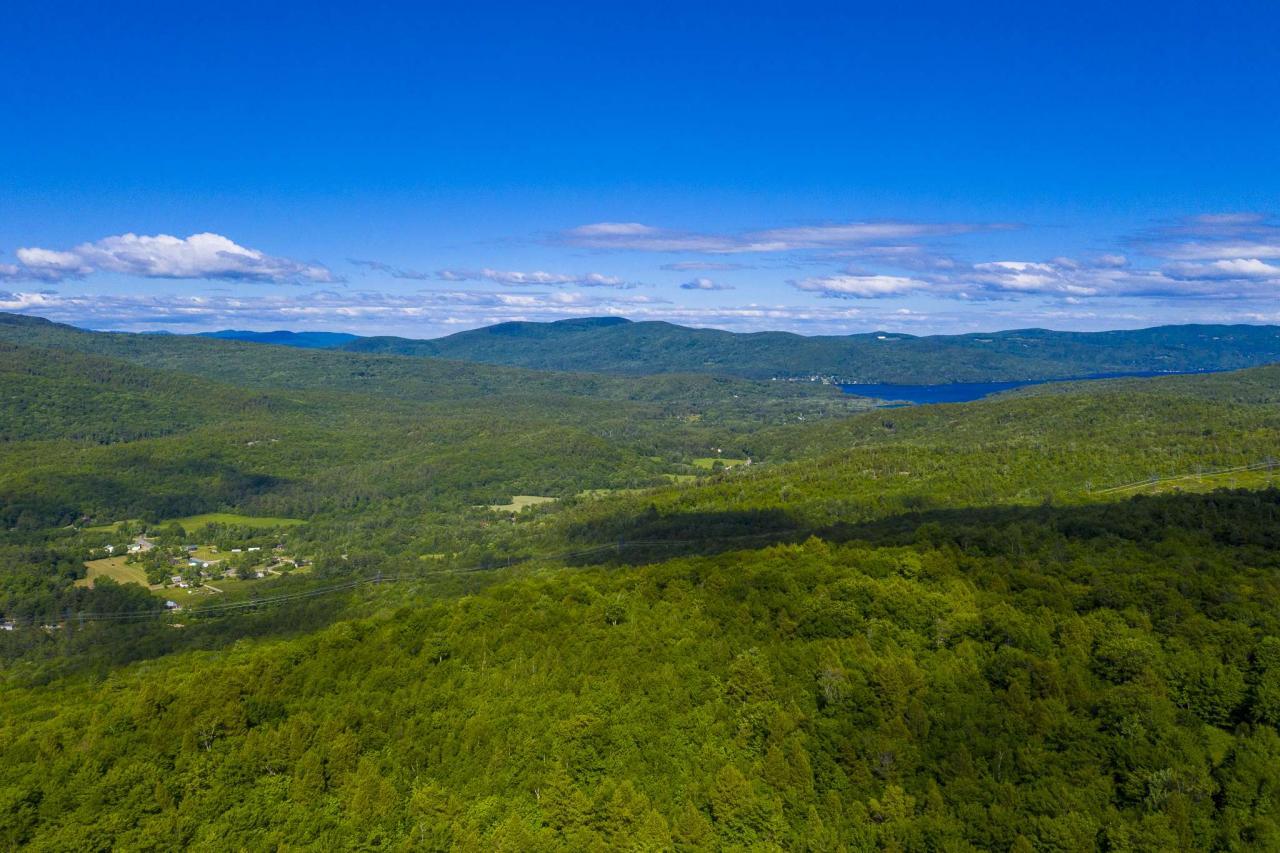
(419, 169)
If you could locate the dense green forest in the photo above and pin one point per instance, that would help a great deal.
(1049, 620)
(615, 345)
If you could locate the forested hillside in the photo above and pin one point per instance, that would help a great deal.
(614, 345)
(1049, 620)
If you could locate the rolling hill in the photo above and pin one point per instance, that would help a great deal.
(1044, 620)
(616, 345)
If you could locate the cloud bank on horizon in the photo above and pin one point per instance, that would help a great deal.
(834, 277)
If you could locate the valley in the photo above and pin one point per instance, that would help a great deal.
(530, 610)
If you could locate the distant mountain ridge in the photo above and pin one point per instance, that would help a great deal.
(615, 345)
(283, 337)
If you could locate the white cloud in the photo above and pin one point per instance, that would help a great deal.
(200, 256)
(429, 313)
(1233, 269)
(613, 229)
(394, 272)
(705, 284)
(52, 264)
(1214, 236)
(636, 236)
(818, 236)
(371, 311)
(1063, 277)
(860, 286)
(536, 278)
(1210, 250)
(703, 266)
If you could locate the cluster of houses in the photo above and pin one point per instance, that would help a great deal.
(206, 568)
(211, 570)
(137, 546)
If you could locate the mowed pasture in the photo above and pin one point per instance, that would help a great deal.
(115, 568)
(709, 462)
(519, 502)
(195, 522)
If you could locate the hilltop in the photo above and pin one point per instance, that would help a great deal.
(619, 346)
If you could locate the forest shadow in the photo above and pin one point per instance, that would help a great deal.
(145, 487)
(99, 647)
(1230, 517)
(650, 536)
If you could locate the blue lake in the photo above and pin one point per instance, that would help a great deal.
(963, 392)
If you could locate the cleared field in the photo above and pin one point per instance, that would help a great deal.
(231, 586)
(519, 502)
(604, 493)
(114, 568)
(193, 522)
(106, 528)
(709, 462)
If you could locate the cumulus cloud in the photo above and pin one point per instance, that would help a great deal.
(200, 256)
(705, 284)
(636, 236)
(1225, 279)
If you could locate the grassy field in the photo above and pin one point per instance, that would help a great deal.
(232, 586)
(114, 568)
(193, 522)
(519, 502)
(106, 528)
(709, 462)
